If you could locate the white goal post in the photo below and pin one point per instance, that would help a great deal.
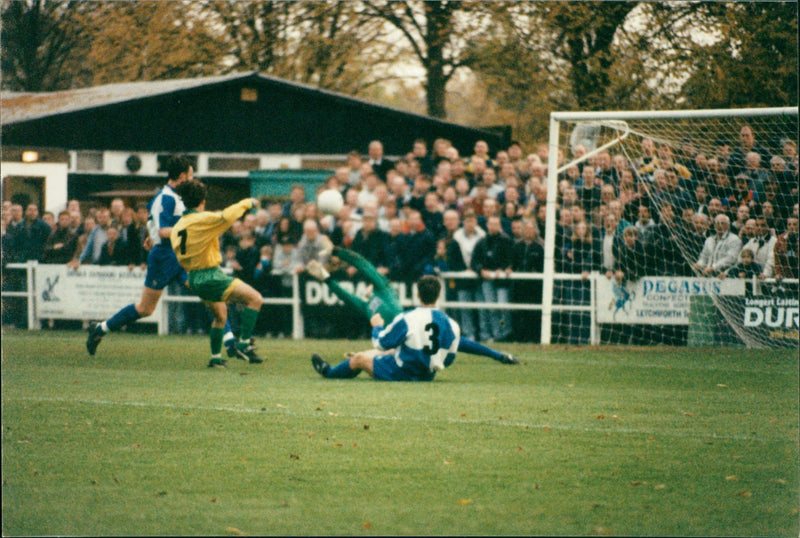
(676, 133)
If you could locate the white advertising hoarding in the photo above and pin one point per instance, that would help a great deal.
(657, 300)
(91, 292)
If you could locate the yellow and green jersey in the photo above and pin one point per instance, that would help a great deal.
(195, 237)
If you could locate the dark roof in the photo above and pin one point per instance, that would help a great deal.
(209, 114)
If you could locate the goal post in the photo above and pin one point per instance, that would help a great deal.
(684, 166)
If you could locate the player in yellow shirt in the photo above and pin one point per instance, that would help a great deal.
(195, 239)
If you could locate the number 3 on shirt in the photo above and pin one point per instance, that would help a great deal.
(183, 235)
(433, 329)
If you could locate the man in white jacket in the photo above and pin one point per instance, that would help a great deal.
(721, 250)
(763, 244)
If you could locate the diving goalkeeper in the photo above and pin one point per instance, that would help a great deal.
(384, 300)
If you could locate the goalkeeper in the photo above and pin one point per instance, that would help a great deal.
(384, 300)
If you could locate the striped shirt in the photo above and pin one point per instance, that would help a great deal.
(165, 210)
(424, 339)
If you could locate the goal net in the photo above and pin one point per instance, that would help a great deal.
(682, 227)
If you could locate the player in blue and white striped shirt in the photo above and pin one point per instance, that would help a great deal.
(424, 340)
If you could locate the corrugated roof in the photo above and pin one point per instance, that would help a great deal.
(18, 107)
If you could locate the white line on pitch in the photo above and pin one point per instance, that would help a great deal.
(393, 418)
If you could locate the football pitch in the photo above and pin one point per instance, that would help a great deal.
(143, 439)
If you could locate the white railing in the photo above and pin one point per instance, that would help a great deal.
(298, 332)
(161, 317)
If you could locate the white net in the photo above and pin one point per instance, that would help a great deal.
(685, 228)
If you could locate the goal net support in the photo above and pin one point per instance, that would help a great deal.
(682, 227)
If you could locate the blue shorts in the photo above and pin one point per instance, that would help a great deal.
(163, 268)
(385, 368)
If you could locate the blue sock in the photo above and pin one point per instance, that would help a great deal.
(342, 371)
(122, 318)
(465, 345)
(228, 339)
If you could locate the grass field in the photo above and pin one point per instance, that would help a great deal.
(143, 439)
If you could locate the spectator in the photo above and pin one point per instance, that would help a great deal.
(748, 231)
(747, 144)
(720, 185)
(591, 189)
(415, 251)
(96, 239)
(380, 164)
(285, 263)
(665, 248)
(583, 257)
(768, 212)
(89, 224)
(492, 260)
(720, 250)
(128, 237)
(615, 208)
(312, 246)
(247, 257)
(786, 251)
(50, 219)
(746, 268)
(722, 153)
(432, 215)
(372, 243)
(756, 173)
(715, 208)
(76, 222)
(630, 257)
(420, 152)
(771, 194)
(369, 184)
(701, 199)
(481, 150)
(116, 209)
(297, 197)
(608, 240)
(466, 238)
(762, 246)
(60, 246)
(515, 157)
(30, 235)
(648, 158)
(115, 250)
(645, 225)
(742, 216)
(354, 163)
(528, 258)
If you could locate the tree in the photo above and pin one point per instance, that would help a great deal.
(42, 41)
(752, 63)
(324, 44)
(150, 40)
(434, 31)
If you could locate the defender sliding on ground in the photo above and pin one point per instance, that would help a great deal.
(385, 302)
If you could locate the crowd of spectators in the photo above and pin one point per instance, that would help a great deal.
(672, 210)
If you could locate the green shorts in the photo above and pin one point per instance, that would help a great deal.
(212, 284)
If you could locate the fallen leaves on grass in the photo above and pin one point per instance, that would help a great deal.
(235, 531)
(294, 456)
(366, 525)
(732, 478)
(744, 494)
(464, 502)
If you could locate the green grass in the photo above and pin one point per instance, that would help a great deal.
(143, 439)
